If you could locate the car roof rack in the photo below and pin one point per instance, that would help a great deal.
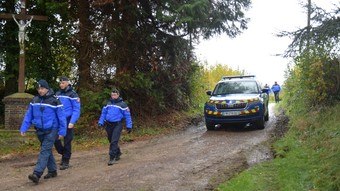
(240, 77)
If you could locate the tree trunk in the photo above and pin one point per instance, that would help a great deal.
(127, 43)
(84, 46)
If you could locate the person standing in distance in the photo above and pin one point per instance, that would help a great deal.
(267, 89)
(45, 113)
(115, 111)
(71, 102)
(276, 90)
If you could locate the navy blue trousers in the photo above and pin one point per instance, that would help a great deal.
(46, 158)
(65, 149)
(276, 96)
(114, 131)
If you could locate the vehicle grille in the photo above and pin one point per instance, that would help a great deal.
(231, 106)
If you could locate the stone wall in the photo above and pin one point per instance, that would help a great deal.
(15, 108)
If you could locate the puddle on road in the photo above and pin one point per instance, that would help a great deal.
(257, 154)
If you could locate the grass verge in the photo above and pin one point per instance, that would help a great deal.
(307, 158)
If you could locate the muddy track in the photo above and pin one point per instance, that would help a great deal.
(193, 159)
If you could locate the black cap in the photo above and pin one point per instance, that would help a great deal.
(115, 91)
(42, 83)
(64, 78)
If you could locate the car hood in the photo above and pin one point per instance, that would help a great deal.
(235, 97)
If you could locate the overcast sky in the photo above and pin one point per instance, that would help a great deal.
(255, 49)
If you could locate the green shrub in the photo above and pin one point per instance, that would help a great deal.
(307, 158)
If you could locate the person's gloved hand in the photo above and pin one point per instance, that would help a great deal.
(128, 130)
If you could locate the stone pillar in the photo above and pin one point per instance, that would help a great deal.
(15, 108)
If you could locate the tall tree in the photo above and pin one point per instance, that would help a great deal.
(142, 47)
(150, 41)
(315, 78)
(9, 49)
(83, 43)
(321, 32)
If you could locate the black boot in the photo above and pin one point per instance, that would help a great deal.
(111, 161)
(65, 164)
(50, 175)
(118, 156)
(34, 178)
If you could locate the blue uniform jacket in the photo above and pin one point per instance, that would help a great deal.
(267, 90)
(45, 113)
(114, 111)
(276, 88)
(71, 102)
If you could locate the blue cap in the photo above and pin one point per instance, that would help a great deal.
(63, 78)
(42, 83)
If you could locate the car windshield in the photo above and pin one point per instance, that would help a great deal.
(236, 87)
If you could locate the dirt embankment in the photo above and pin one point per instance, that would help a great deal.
(192, 159)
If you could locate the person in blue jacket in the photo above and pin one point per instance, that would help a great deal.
(45, 113)
(267, 89)
(276, 90)
(112, 115)
(71, 102)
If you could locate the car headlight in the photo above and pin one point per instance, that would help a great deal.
(209, 104)
(255, 100)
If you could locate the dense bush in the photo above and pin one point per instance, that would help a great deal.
(312, 95)
(314, 82)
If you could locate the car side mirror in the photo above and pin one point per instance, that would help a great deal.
(209, 92)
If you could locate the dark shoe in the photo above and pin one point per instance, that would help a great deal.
(118, 156)
(111, 161)
(50, 175)
(34, 178)
(64, 166)
(64, 160)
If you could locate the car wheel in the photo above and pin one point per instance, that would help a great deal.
(210, 126)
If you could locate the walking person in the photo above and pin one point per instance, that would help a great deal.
(71, 102)
(267, 89)
(45, 113)
(112, 115)
(276, 90)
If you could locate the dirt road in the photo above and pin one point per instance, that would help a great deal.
(194, 159)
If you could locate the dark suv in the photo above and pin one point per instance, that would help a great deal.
(237, 99)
